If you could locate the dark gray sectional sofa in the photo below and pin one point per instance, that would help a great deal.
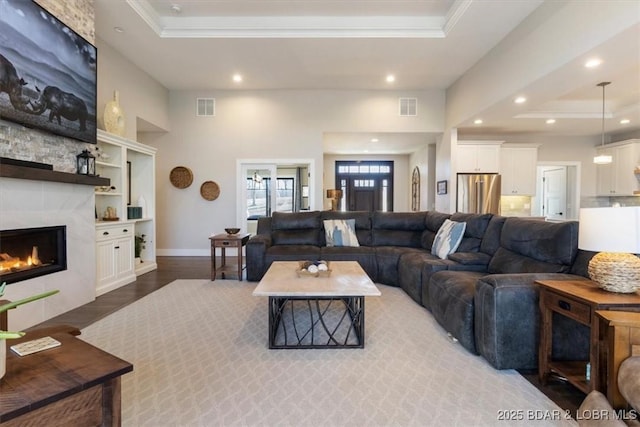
(483, 295)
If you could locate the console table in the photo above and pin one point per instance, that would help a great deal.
(73, 384)
(579, 300)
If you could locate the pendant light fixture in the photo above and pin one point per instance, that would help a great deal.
(603, 159)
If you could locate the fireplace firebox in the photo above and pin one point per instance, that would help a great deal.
(32, 252)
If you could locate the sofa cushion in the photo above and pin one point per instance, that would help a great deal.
(433, 222)
(398, 228)
(292, 253)
(476, 228)
(387, 258)
(448, 238)
(363, 224)
(364, 255)
(340, 232)
(297, 228)
(415, 270)
(491, 239)
(535, 246)
(295, 220)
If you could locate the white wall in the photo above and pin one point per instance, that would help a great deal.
(271, 125)
(140, 95)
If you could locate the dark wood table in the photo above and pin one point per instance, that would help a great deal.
(73, 384)
(579, 300)
(225, 241)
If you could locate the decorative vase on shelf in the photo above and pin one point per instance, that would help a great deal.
(114, 116)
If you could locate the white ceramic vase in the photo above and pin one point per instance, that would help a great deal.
(114, 116)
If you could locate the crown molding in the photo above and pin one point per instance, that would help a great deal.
(298, 26)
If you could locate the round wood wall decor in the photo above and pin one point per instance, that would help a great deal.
(181, 177)
(209, 190)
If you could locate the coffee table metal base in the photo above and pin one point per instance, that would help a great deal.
(316, 322)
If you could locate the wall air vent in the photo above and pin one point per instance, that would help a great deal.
(206, 107)
(408, 106)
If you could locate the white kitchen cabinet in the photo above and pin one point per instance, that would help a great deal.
(114, 255)
(518, 170)
(478, 157)
(130, 166)
(618, 178)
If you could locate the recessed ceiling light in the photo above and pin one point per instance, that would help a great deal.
(520, 100)
(118, 29)
(593, 63)
(237, 78)
(374, 139)
(477, 121)
(391, 78)
(625, 121)
(550, 121)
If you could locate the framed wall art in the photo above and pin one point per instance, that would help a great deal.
(48, 73)
(442, 187)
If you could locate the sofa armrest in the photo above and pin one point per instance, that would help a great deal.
(470, 258)
(507, 321)
(256, 254)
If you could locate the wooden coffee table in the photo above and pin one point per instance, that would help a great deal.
(316, 312)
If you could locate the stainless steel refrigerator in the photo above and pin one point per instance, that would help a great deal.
(478, 193)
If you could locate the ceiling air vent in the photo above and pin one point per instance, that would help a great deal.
(408, 106)
(206, 107)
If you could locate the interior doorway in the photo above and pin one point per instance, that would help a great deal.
(558, 191)
(268, 185)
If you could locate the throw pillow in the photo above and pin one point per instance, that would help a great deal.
(340, 232)
(448, 238)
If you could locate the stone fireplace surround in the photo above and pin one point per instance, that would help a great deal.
(28, 203)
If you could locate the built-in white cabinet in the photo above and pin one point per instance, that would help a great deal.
(478, 156)
(618, 178)
(518, 170)
(114, 253)
(131, 168)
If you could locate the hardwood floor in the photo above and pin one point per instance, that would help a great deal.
(172, 268)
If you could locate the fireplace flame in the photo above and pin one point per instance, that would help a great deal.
(8, 262)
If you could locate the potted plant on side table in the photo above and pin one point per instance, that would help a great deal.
(5, 335)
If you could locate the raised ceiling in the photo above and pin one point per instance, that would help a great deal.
(354, 44)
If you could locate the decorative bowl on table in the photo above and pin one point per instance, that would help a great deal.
(313, 269)
(231, 231)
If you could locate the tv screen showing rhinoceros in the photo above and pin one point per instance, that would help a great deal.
(47, 72)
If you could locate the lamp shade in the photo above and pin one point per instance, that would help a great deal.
(610, 229)
(334, 194)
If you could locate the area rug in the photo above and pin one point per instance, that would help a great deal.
(200, 356)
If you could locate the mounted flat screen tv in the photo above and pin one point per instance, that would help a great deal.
(47, 72)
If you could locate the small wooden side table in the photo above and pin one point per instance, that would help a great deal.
(225, 241)
(622, 341)
(578, 300)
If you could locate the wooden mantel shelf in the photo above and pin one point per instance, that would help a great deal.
(22, 172)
